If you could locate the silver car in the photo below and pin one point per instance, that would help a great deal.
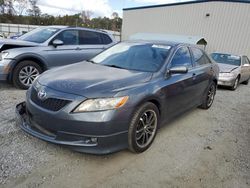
(233, 69)
(22, 60)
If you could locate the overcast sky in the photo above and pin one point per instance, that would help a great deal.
(99, 7)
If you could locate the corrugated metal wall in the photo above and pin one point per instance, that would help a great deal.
(227, 29)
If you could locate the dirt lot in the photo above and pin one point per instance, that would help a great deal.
(199, 149)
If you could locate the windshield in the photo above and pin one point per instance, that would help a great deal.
(226, 59)
(134, 56)
(39, 35)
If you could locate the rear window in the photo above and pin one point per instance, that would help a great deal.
(106, 39)
(90, 37)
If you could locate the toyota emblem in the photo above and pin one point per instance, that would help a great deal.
(42, 94)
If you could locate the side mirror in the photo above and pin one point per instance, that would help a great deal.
(57, 42)
(178, 70)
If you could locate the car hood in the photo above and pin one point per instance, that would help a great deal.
(226, 67)
(92, 80)
(6, 44)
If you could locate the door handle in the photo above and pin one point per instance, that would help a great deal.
(78, 48)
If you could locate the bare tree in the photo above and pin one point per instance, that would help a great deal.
(21, 6)
(115, 15)
(34, 10)
(86, 16)
(2, 6)
(8, 7)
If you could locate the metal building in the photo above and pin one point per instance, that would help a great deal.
(225, 24)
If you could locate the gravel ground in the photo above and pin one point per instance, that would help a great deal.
(199, 149)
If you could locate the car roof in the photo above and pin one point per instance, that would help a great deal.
(169, 43)
(73, 27)
(87, 29)
(56, 26)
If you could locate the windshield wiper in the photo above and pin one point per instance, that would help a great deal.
(115, 66)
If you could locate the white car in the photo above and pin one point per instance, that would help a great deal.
(234, 69)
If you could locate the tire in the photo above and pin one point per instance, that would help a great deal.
(246, 82)
(236, 83)
(25, 73)
(141, 136)
(208, 98)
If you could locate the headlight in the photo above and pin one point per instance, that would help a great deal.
(101, 104)
(3, 55)
(226, 74)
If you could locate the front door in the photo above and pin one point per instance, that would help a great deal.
(180, 88)
(68, 53)
(245, 69)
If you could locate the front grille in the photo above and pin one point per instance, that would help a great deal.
(52, 104)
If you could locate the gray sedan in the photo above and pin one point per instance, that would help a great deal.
(233, 69)
(119, 98)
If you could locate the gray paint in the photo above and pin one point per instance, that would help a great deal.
(174, 94)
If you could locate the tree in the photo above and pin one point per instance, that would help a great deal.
(86, 17)
(34, 10)
(35, 17)
(21, 6)
(8, 7)
(2, 6)
(116, 22)
(115, 15)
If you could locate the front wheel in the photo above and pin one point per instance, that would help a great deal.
(236, 83)
(208, 98)
(143, 128)
(25, 73)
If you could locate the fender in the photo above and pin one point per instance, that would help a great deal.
(27, 56)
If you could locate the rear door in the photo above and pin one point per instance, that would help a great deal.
(203, 69)
(180, 88)
(92, 43)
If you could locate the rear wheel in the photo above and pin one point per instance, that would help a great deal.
(208, 98)
(143, 128)
(25, 73)
(236, 83)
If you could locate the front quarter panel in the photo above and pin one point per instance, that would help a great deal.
(19, 54)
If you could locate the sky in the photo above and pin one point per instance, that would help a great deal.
(98, 7)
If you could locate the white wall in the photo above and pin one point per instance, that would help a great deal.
(227, 29)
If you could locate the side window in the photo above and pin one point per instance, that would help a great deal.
(69, 37)
(199, 57)
(246, 61)
(106, 39)
(90, 37)
(182, 58)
